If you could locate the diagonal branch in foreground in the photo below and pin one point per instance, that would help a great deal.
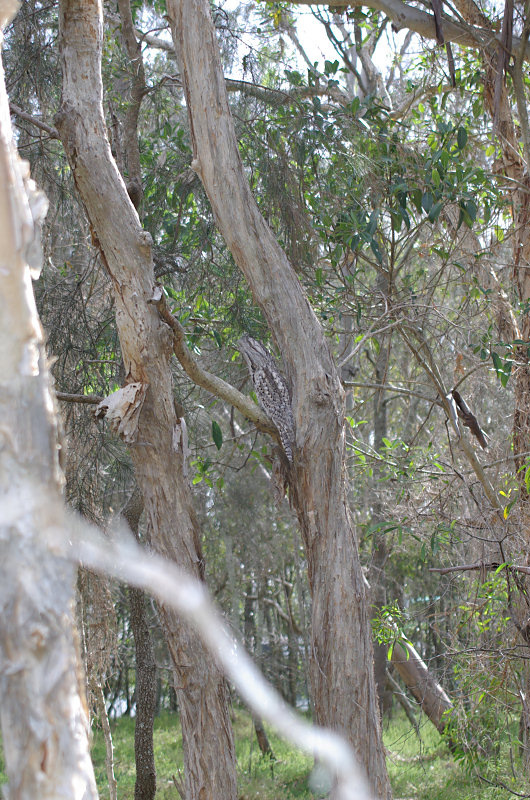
(124, 560)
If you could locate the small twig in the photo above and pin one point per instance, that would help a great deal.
(430, 368)
(501, 785)
(390, 388)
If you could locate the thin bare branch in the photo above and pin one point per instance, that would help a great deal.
(87, 399)
(217, 386)
(52, 132)
(480, 565)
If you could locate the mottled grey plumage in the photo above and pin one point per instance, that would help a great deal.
(271, 389)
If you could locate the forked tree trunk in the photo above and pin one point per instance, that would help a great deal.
(43, 710)
(146, 348)
(342, 676)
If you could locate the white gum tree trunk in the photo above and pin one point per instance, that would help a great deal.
(343, 685)
(42, 705)
(146, 348)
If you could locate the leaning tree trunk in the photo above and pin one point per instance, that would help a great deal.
(415, 674)
(146, 348)
(42, 705)
(343, 684)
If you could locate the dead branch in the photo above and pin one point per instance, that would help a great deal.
(52, 132)
(217, 386)
(480, 565)
(88, 399)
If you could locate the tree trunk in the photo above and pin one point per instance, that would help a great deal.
(146, 683)
(43, 710)
(263, 739)
(99, 698)
(414, 673)
(146, 690)
(379, 540)
(342, 676)
(146, 348)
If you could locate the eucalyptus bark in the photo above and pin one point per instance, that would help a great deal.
(144, 753)
(43, 711)
(415, 674)
(343, 685)
(146, 688)
(146, 349)
(379, 540)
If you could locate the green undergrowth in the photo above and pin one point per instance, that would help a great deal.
(421, 767)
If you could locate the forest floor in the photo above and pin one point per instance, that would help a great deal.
(421, 768)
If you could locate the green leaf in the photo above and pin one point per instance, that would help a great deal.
(416, 198)
(461, 138)
(505, 376)
(427, 201)
(217, 435)
(376, 250)
(497, 362)
(471, 209)
(435, 211)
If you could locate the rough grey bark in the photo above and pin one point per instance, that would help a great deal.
(42, 705)
(379, 543)
(343, 684)
(146, 689)
(144, 754)
(146, 348)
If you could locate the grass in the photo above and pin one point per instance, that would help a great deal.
(421, 768)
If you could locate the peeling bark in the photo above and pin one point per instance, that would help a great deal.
(43, 710)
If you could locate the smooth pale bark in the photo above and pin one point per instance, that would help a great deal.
(415, 674)
(146, 348)
(342, 677)
(42, 705)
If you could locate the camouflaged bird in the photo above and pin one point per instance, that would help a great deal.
(271, 390)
